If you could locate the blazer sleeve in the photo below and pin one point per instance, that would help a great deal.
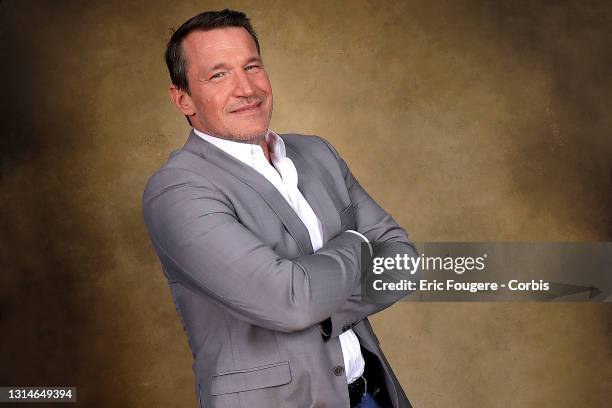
(388, 239)
(201, 243)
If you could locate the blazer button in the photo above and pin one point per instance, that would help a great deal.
(338, 370)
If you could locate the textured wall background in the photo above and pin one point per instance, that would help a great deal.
(467, 120)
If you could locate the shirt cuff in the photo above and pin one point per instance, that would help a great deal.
(365, 239)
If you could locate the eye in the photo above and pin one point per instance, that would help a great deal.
(253, 67)
(218, 75)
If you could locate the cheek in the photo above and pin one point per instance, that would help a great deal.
(214, 105)
(213, 100)
(263, 83)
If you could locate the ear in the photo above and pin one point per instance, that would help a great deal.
(182, 100)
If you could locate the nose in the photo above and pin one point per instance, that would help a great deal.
(243, 86)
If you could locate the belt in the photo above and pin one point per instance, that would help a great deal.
(357, 389)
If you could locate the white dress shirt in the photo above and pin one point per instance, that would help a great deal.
(283, 175)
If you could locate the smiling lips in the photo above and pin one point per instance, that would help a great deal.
(249, 107)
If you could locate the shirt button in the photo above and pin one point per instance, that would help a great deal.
(338, 370)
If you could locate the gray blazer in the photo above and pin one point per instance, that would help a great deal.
(249, 290)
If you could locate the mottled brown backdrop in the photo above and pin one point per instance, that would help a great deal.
(467, 120)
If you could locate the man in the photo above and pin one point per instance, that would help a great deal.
(260, 237)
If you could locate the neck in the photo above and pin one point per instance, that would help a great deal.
(258, 140)
(261, 140)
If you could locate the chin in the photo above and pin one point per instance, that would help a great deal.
(249, 133)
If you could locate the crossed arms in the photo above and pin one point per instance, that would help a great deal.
(198, 237)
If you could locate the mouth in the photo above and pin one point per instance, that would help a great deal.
(248, 108)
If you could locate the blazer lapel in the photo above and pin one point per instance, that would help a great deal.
(257, 182)
(312, 188)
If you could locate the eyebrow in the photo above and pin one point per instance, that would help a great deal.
(253, 59)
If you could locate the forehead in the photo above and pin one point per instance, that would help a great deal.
(219, 45)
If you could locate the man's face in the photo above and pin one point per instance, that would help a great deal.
(230, 93)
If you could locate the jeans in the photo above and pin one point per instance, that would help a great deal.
(367, 401)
